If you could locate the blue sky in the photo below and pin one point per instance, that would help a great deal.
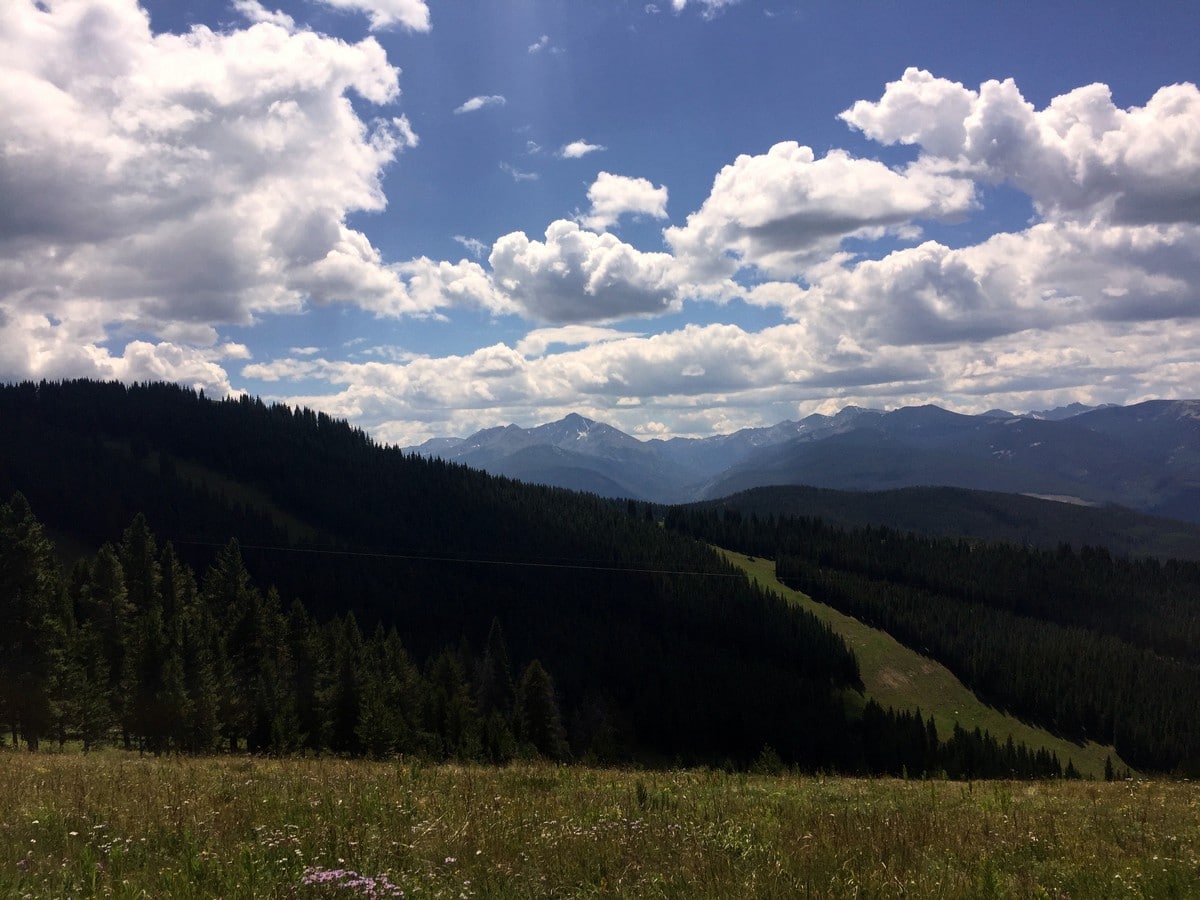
(679, 217)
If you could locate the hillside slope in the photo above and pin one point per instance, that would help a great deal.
(980, 515)
(898, 676)
(652, 630)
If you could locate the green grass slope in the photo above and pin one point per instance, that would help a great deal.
(900, 677)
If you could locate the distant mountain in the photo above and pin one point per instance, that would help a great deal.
(1145, 457)
(1066, 412)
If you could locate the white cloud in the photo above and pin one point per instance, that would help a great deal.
(437, 285)
(786, 209)
(709, 8)
(478, 103)
(516, 174)
(474, 246)
(410, 14)
(540, 44)
(182, 181)
(538, 341)
(1043, 279)
(580, 276)
(577, 149)
(1080, 157)
(704, 379)
(612, 196)
(256, 12)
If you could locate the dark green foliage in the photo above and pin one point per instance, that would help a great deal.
(539, 720)
(28, 589)
(976, 515)
(699, 665)
(1083, 643)
(660, 651)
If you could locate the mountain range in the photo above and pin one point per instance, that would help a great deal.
(1144, 456)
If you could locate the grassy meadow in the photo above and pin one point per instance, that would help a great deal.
(112, 824)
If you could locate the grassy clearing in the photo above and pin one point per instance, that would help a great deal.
(115, 825)
(898, 676)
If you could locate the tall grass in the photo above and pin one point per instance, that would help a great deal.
(115, 825)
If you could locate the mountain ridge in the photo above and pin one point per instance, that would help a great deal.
(1145, 456)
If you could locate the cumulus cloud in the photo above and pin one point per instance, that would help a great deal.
(1095, 300)
(696, 379)
(784, 210)
(540, 44)
(34, 345)
(183, 181)
(412, 15)
(579, 276)
(436, 285)
(613, 196)
(478, 103)
(1042, 279)
(577, 149)
(1080, 157)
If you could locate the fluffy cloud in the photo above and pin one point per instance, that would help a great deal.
(692, 380)
(580, 276)
(1048, 277)
(1080, 157)
(183, 181)
(35, 346)
(478, 103)
(410, 14)
(613, 196)
(786, 209)
(577, 149)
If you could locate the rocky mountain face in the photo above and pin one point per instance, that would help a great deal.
(1145, 456)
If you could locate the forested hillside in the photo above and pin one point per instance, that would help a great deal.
(1083, 643)
(361, 603)
(983, 515)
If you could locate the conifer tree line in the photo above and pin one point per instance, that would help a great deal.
(660, 651)
(131, 649)
(1087, 645)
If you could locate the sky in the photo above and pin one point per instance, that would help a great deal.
(682, 217)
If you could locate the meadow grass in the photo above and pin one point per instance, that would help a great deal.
(115, 825)
(898, 676)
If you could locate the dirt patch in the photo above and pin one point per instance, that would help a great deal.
(893, 678)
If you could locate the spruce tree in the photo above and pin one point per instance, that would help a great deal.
(28, 586)
(539, 720)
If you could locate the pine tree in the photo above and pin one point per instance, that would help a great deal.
(539, 720)
(494, 695)
(345, 693)
(107, 607)
(28, 587)
(450, 708)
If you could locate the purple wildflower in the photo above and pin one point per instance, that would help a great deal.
(373, 887)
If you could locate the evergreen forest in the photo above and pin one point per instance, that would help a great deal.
(179, 574)
(1077, 640)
